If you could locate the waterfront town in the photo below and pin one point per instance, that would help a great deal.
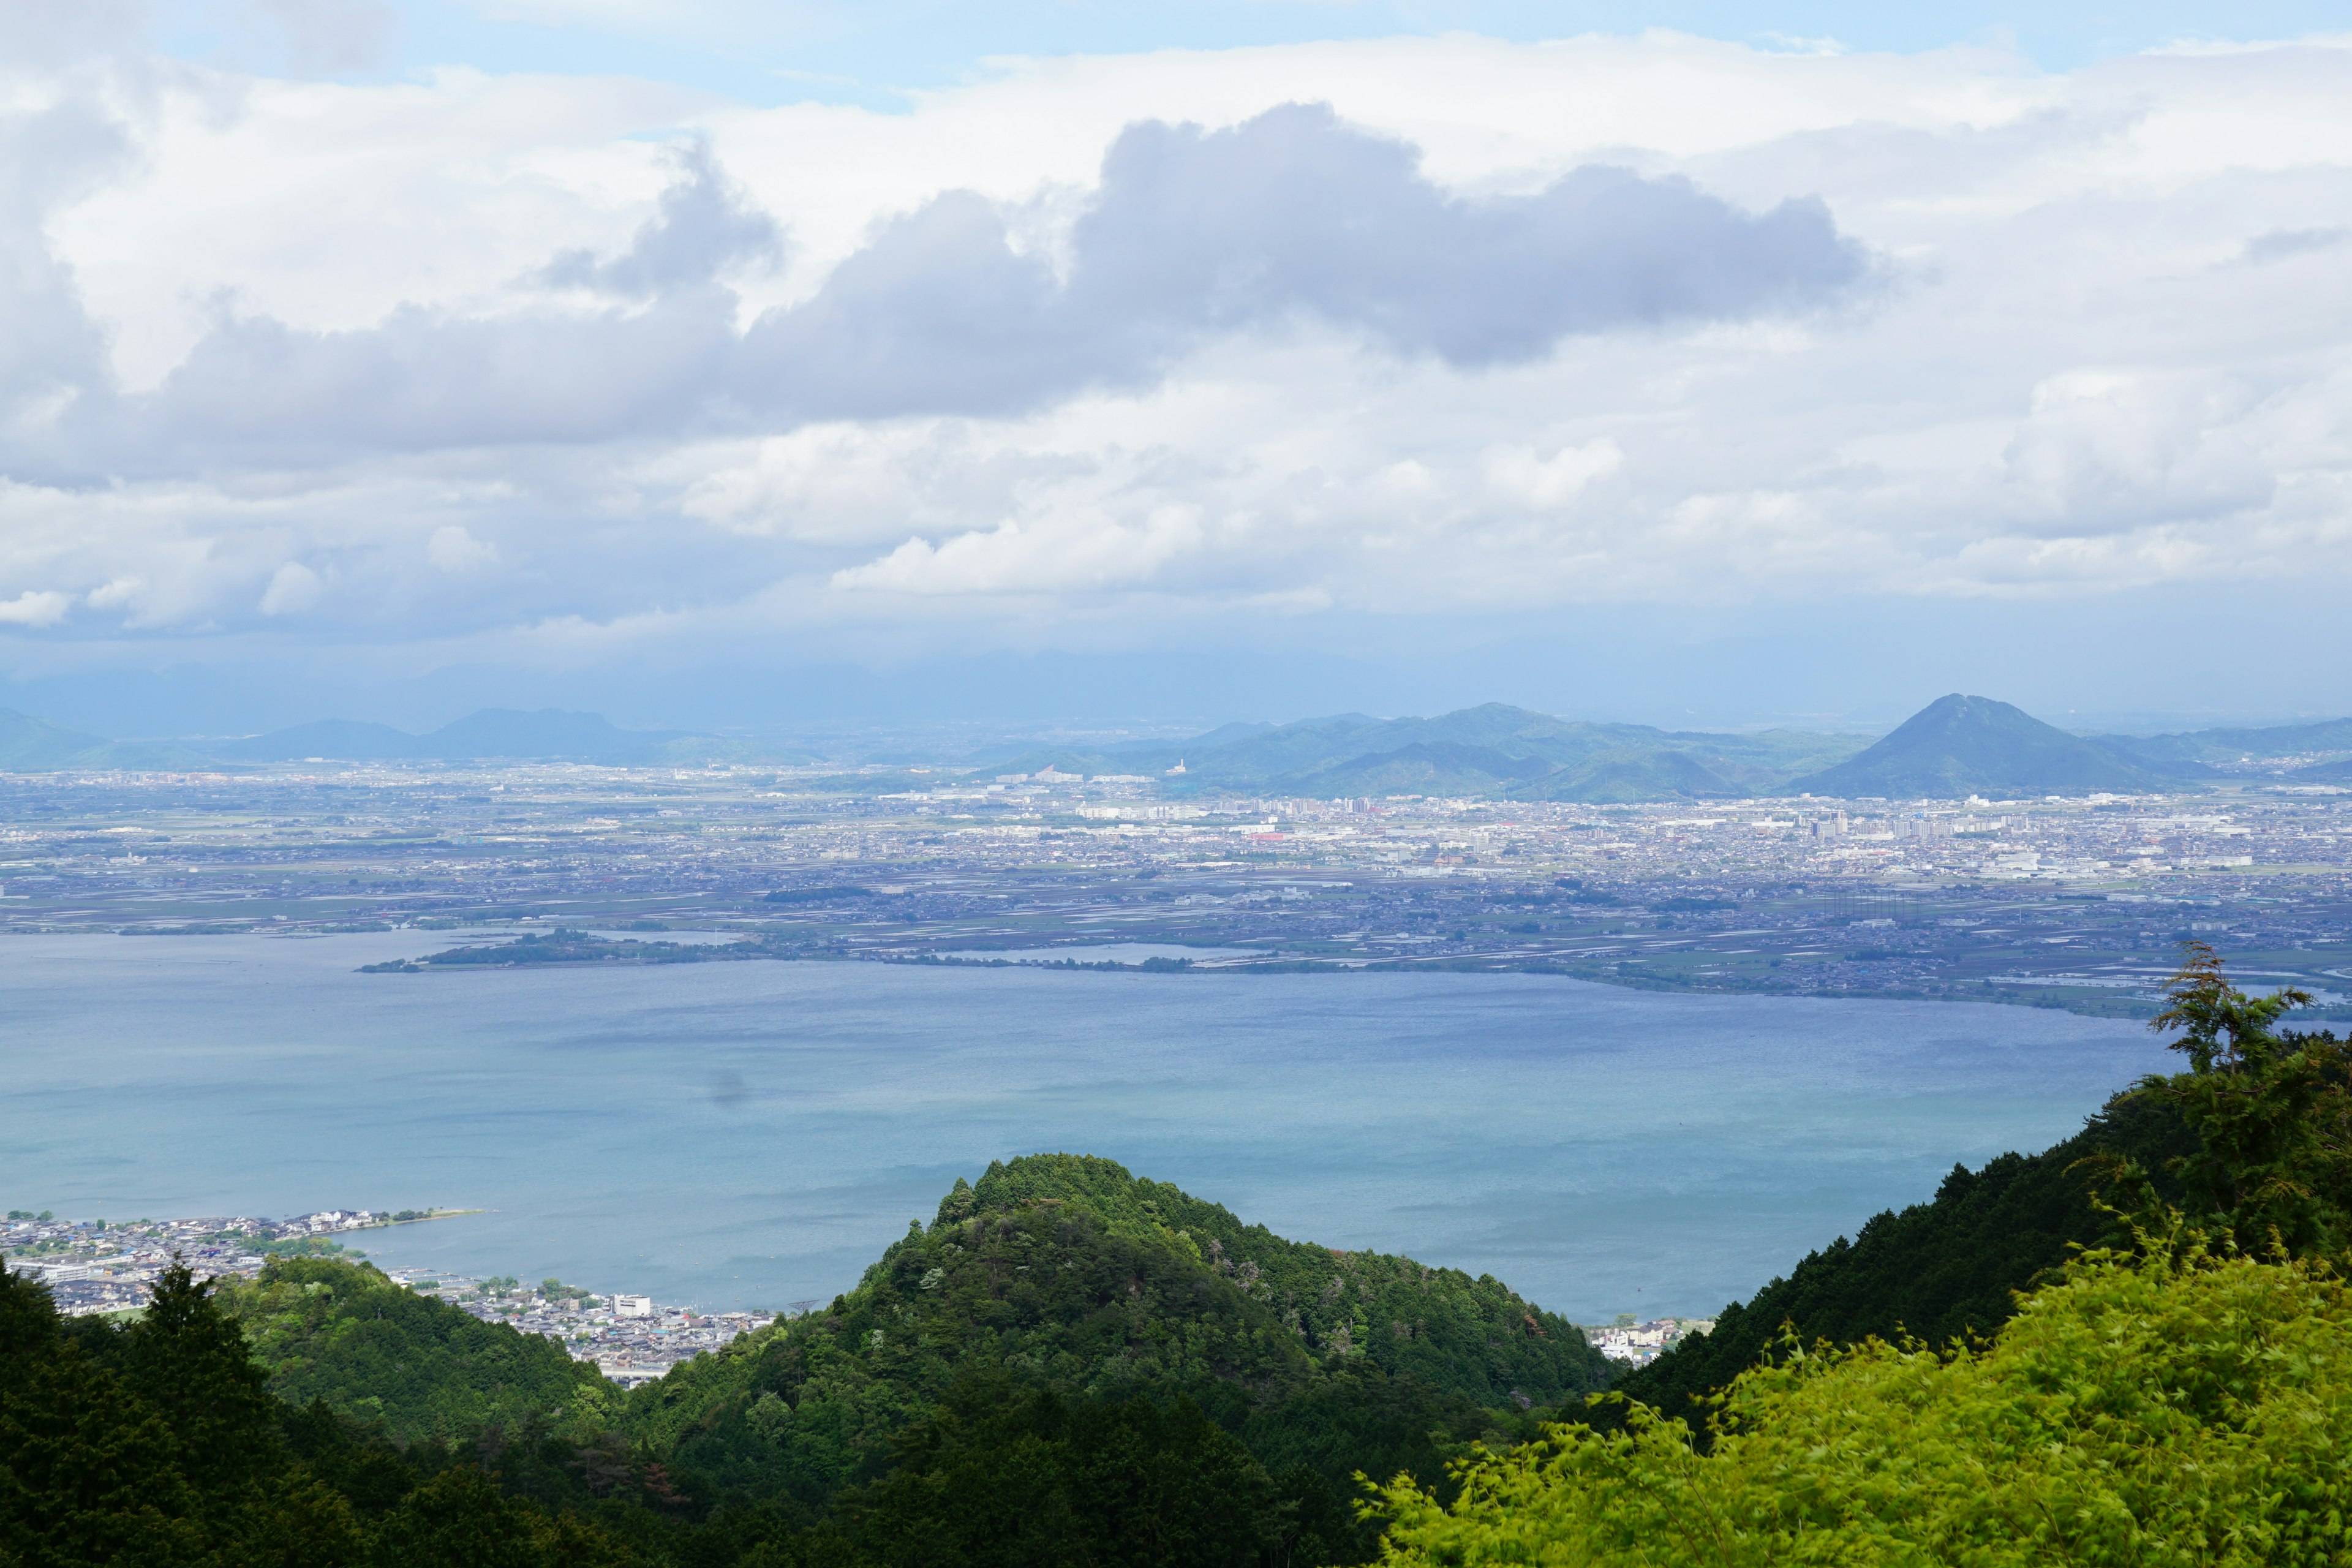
(1638, 1343)
(101, 1267)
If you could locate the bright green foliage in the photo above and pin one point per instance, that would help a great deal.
(2255, 1139)
(2192, 1409)
(1939, 1271)
(1069, 1273)
(343, 1333)
(2271, 1111)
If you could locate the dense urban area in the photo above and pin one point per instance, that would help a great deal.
(2073, 901)
(97, 1265)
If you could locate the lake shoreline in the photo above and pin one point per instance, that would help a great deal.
(528, 952)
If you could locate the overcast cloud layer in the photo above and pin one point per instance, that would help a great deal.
(1094, 352)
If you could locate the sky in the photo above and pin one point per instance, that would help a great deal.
(717, 363)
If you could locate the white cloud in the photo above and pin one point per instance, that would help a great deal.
(35, 607)
(1519, 474)
(706, 370)
(293, 588)
(454, 551)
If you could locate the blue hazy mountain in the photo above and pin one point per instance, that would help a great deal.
(344, 740)
(1491, 749)
(547, 732)
(2338, 771)
(1960, 746)
(30, 745)
(1957, 745)
(2277, 742)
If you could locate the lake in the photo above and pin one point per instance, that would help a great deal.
(754, 1133)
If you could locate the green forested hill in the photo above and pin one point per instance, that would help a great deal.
(1059, 1305)
(1069, 1274)
(1937, 1271)
(2181, 1395)
(1473, 1337)
(345, 1335)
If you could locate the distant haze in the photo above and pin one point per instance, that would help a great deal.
(1957, 745)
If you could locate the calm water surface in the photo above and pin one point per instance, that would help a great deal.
(750, 1134)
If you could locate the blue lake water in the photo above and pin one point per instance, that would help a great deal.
(750, 1134)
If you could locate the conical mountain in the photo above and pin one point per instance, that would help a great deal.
(1960, 746)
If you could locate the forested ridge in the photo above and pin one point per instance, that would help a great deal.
(1068, 1364)
(419, 1368)
(2134, 1347)
(2181, 1394)
(1939, 1271)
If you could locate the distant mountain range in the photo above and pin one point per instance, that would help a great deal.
(1494, 750)
(1957, 745)
(30, 745)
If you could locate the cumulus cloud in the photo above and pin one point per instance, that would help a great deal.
(51, 352)
(703, 228)
(257, 390)
(1293, 212)
(1115, 342)
(1522, 475)
(293, 588)
(454, 551)
(2106, 451)
(1289, 216)
(45, 608)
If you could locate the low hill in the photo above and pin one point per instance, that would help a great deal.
(1494, 750)
(2336, 772)
(344, 740)
(343, 1333)
(1971, 745)
(1079, 1277)
(1636, 776)
(2271, 743)
(30, 745)
(1424, 767)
